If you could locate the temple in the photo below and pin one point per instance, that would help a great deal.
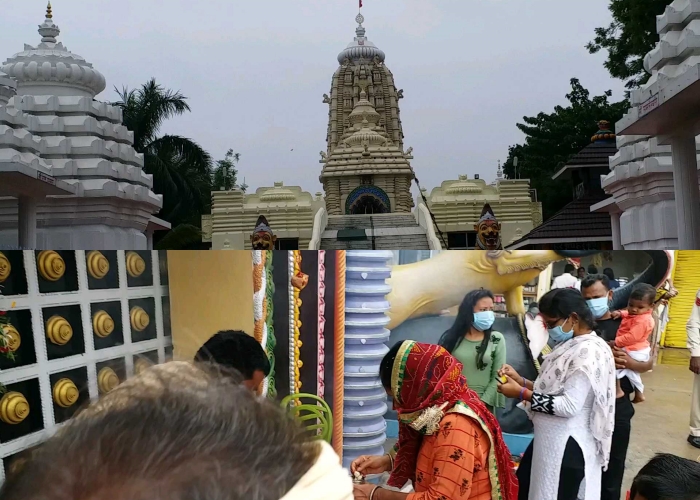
(69, 173)
(653, 184)
(367, 179)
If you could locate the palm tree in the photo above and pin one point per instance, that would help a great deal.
(181, 169)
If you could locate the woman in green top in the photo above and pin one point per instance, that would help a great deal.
(480, 350)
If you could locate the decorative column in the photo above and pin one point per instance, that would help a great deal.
(615, 223)
(685, 183)
(27, 223)
(366, 307)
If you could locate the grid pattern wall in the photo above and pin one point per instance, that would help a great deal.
(82, 322)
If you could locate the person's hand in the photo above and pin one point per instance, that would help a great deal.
(611, 343)
(371, 464)
(615, 314)
(509, 371)
(510, 389)
(621, 358)
(695, 365)
(362, 491)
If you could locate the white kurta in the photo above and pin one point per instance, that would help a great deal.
(571, 416)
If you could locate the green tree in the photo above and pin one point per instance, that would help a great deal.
(552, 138)
(226, 174)
(181, 169)
(630, 36)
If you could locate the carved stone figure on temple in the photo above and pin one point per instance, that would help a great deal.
(262, 237)
(488, 231)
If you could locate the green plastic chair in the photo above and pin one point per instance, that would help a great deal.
(316, 417)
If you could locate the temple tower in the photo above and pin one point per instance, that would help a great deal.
(365, 170)
(84, 145)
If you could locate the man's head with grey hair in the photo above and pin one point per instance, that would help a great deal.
(178, 431)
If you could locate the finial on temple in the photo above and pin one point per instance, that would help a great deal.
(49, 13)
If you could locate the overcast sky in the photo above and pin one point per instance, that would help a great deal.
(255, 71)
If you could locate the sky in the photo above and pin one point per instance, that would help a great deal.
(255, 72)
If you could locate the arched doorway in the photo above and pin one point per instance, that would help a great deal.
(367, 200)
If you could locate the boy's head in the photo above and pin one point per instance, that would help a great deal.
(569, 268)
(667, 477)
(641, 299)
(581, 272)
(238, 350)
(592, 269)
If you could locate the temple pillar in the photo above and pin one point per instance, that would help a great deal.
(685, 183)
(366, 308)
(27, 222)
(615, 223)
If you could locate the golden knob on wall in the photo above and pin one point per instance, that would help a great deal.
(102, 324)
(14, 408)
(58, 330)
(135, 265)
(12, 337)
(5, 267)
(107, 379)
(51, 265)
(65, 393)
(97, 264)
(139, 319)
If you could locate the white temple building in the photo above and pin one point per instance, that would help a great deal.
(69, 176)
(655, 202)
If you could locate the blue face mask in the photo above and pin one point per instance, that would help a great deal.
(558, 335)
(598, 306)
(483, 320)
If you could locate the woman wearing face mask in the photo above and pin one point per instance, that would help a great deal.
(571, 404)
(481, 351)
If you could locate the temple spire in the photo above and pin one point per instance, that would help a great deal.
(48, 30)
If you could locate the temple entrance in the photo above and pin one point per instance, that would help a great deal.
(367, 200)
(368, 205)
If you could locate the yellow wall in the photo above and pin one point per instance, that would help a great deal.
(209, 291)
(686, 279)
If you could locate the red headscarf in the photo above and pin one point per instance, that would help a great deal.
(427, 375)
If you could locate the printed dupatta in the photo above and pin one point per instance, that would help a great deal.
(427, 383)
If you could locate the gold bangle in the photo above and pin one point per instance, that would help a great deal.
(391, 460)
(374, 490)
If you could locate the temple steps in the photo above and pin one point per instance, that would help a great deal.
(363, 221)
(390, 232)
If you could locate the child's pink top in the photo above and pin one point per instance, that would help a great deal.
(634, 331)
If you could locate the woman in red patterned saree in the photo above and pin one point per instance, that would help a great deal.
(450, 446)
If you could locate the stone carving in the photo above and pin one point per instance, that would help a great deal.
(408, 151)
(324, 156)
(262, 237)
(326, 99)
(399, 94)
(488, 231)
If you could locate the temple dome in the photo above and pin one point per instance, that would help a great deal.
(360, 47)
(7, 88)
(51, 69)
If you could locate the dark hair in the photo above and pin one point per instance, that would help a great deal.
(178, 430)
(643, 292)
(463, 324)
(668, 477)
(561, 303)
(592, 269)
(387, 365)
(592, 279)
(569, 268)
(609, 273)
(235, 349)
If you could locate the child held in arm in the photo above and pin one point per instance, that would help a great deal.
(633, 335)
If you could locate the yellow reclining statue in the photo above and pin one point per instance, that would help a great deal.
(430, 286)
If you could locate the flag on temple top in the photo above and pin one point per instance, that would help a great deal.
(360, 3)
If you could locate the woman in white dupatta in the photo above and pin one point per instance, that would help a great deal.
(571, 404)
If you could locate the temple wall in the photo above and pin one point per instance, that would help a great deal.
(209, 291)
